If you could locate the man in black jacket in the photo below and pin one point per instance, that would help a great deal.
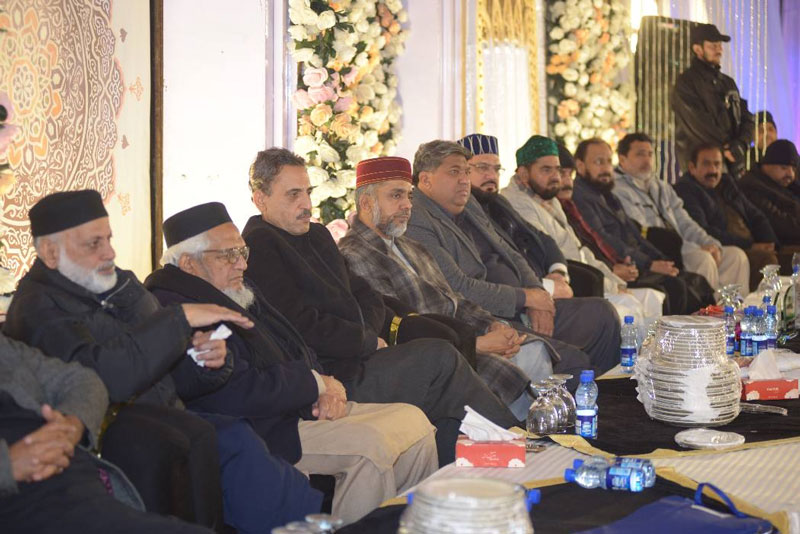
(276, 378)
(714, 200)
(75, 304)
(767, 187)
(299, 269)
(708, 106)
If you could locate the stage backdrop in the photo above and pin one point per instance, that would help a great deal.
(78, 76)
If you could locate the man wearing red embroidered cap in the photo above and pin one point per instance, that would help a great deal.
(395, 265)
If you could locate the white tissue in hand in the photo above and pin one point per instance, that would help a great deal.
(764, 367)
(478, 428)
(222, 332)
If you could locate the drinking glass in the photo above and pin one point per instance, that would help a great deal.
(543, 416)
(564, 394)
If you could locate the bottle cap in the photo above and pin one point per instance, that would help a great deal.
(628, 319)
(771, 309)
(569, 475)
(576, 463)
(587, 375)
(532, 496)
(766, 299)
(759, 313)
(728, 309)
(796, 269)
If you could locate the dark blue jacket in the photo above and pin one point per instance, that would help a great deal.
(271, 385)
(704, 208)
(606, 215)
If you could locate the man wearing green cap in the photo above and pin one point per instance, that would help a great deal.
(479, 264)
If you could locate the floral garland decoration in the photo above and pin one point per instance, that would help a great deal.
(345, 100)
(587, 51)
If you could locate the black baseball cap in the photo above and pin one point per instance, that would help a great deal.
(707, 32)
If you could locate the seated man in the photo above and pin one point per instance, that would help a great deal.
(76, 305)
(603, 213)
(767, 188)
(296, 265)
(714, 200)
(653, 203)
(48, 483)
(480, 265)
(395, 265)
(276, 378)
(530, 198)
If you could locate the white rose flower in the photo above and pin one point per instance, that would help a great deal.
(362, 26)
(570, 90)
(560, 129)
(394, 5)
(337, 190)
(357, 140)
(571, 141)
(567, 46)
(402, 17)
(299, 4)
(304, 144)
(583, 79)
(347, 178)
(390, 147)
(298, 32)
(301, 55)
(553, 48)
(557, 9)
(374, 30)
(556, 34)
(380, 88)
(370, 138)
(368, 79)
(320, 193)
(595, 122)
(370, 8)
(315, 61)
(326, 20)
(362, 59)
(328, 154)
(364, 93)
(317, 175)
(570, 74)
(345, 53)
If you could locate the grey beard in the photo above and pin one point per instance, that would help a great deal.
(243, 296)
(90, 280)
(389, 228)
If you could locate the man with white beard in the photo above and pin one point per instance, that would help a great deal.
(75, 304)
(654, 203)
(374, 451)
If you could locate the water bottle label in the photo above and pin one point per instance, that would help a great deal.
(747, 347)
(730, 345)
(628, 358)
(586, 423)
(759, 345)
(620, 478)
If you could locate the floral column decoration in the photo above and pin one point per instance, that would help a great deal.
(590, 95)
(346, 107)
(7, 181)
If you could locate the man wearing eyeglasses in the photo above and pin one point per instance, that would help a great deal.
(277, 379)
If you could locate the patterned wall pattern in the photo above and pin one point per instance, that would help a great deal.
(58, 65)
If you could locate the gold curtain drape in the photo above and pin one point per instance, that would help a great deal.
(507, 22)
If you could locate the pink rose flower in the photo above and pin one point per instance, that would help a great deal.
(302, 100)
(338, 229)
(315, 77)
(350, 77)
(321, 94)
(343, 104)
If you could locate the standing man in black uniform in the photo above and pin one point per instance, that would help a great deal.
(707, 104)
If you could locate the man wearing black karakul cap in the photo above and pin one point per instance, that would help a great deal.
(277, 379)
(707, 104)
(75, 304)
(768, 188)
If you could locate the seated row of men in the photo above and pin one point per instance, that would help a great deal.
(354, 361)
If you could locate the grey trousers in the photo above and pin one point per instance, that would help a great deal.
(591, 325)
(432, 375)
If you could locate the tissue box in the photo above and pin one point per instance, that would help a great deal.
(471, 453)
(776, 389)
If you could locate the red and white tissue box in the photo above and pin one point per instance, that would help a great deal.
(775, 389)
(470, 453)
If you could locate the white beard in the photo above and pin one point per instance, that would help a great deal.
(243, 296)
(91, 280)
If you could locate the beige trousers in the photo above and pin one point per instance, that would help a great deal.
(375, 452)
(733, 269)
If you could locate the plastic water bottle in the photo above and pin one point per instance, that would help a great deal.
(758, 334)
(628, 348)
(586, 406)
(771, 327)
(611, 477)
(645, 466)
(765, 301)
(730, 331)
(746, 347)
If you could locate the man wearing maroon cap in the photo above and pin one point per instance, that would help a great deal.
(296, 265)
(398, 266)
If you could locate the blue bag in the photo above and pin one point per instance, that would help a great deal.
(679, 514)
